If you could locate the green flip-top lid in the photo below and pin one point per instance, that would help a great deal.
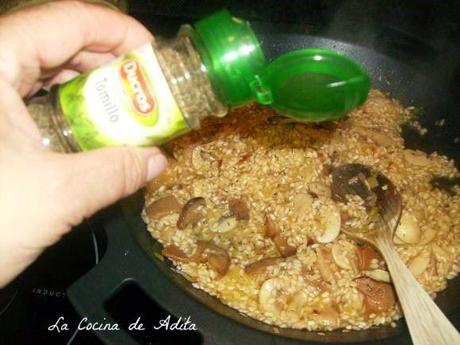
(308, 84)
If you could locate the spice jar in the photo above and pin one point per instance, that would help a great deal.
(165, 88)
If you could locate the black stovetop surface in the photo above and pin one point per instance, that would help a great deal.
(33, 303)
(37, 298)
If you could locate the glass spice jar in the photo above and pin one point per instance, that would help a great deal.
(165, 88)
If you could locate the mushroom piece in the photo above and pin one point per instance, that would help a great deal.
(324, 264)
(398, 241)
(378, 296)
(343, 254)
(173, 252)
(163, 207)
(298, 302)
(420, 263)
(417, 158)
(366, 256)
(260, 266)
(271, 229)
(352, 179)
(216, 257)
(356, 301)
(283, 246)
(320, 189)
(427, 236)
(378, 137)
(219, 262)
(332, 220)
(239, 209)
(224, 224)
(328, 316)
(273, 232)
(191, 212)
(378, 275)
(269, 296)
(313, 280)
(408, 230)
(204, 161)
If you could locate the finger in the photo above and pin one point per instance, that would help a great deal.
(16, 126)
(83, 61)
(98, 178)
(66, 27)
(62, 77)
(86, 60)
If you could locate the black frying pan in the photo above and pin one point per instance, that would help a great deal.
(407, 69)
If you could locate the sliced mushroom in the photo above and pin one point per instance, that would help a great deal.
(173, 252)
(204, 161)
(320, 189)
(319, 284)
(260, 266)
(239, 209)
(378, 275)
(378, 296)
(224, 224)
(356, 301)
(398, 241)
(366, 256)
(163, 207)
(268, 296)
(324, 264)
(273, 232)
(420, 263)
(356, 179)
(271, 229)
(191, 212)
(314, 281)
(220, 263)
(427, 236)
(283, 246)
(331, 219)
(216, 257)
(408, 230)
(417, 158)
(343, 254)
(328, 316)
(298, 302)
(378, 137)
(302, 203)
(245, 157)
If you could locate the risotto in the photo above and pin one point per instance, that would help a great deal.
(244, 211)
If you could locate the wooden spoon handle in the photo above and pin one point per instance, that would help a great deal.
(426, 322)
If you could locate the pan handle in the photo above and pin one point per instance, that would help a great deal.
(90, 292)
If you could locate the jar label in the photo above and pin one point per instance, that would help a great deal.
(126, 102)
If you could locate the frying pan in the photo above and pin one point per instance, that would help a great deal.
(408, 69)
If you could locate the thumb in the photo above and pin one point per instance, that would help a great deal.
(98, 178)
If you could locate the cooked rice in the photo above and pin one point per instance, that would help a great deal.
(267, 161)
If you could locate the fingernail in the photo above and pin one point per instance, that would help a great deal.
(156, 164)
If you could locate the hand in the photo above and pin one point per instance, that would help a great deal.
(44, 194)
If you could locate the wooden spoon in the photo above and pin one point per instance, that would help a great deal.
(426, 322)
